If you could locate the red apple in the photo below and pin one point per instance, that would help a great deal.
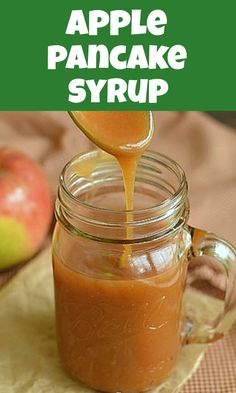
(25, 207)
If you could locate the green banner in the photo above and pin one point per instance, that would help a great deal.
(117, 55)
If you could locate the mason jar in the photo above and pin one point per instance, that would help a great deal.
(121, 277)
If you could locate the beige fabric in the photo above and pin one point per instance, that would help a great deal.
(205, 149)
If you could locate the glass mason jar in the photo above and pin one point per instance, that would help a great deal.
(125, 305)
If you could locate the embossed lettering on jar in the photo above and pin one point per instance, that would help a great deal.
(119, 327)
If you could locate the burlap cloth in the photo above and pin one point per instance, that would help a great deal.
(205, 149)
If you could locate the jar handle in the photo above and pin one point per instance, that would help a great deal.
(210, 296)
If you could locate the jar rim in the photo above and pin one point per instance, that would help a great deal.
(168, 162)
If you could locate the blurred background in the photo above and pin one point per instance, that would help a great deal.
(225, 117)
